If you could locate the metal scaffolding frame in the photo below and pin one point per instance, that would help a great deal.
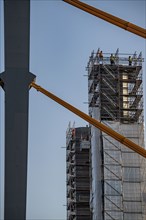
(78, 182)
(116, 95)
(123, 179)
(116, 89)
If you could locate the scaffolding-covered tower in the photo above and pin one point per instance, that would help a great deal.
(116, 99)
(78, 182)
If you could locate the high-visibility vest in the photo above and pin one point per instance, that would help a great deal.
(112, 58)
(100, 55)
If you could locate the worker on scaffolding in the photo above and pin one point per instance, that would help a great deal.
(101, 57)
(112, 59)
(130, 60)
(73, 133)
(97, 53)
(97, 57)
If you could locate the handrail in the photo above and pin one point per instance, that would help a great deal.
(128, 143)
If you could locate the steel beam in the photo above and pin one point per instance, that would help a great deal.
(123, 140)
(108, 17)
(16, 80)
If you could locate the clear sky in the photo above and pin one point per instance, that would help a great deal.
(62, 39)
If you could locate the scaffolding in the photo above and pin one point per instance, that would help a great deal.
(115, 93)
(123, 179)
(78, 182)
(116, 89)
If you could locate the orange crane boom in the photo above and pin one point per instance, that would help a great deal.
(108, 17)
(138, 149)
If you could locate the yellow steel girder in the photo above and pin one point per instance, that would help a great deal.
(108, 17)
(123, 140)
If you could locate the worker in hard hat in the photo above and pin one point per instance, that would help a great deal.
(112, 59)
(97, 57)
(101, 57)
(130, 60)
(97, 53)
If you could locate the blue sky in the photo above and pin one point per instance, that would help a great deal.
(61, 40)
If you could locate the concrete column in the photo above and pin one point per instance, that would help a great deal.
(16, 80)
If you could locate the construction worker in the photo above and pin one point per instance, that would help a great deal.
(130, 60)
(97, 57)
(101, 57)
(112, 59)
(73, 133)
(97, 53)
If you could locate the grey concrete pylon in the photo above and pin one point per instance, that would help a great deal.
(16, 80)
